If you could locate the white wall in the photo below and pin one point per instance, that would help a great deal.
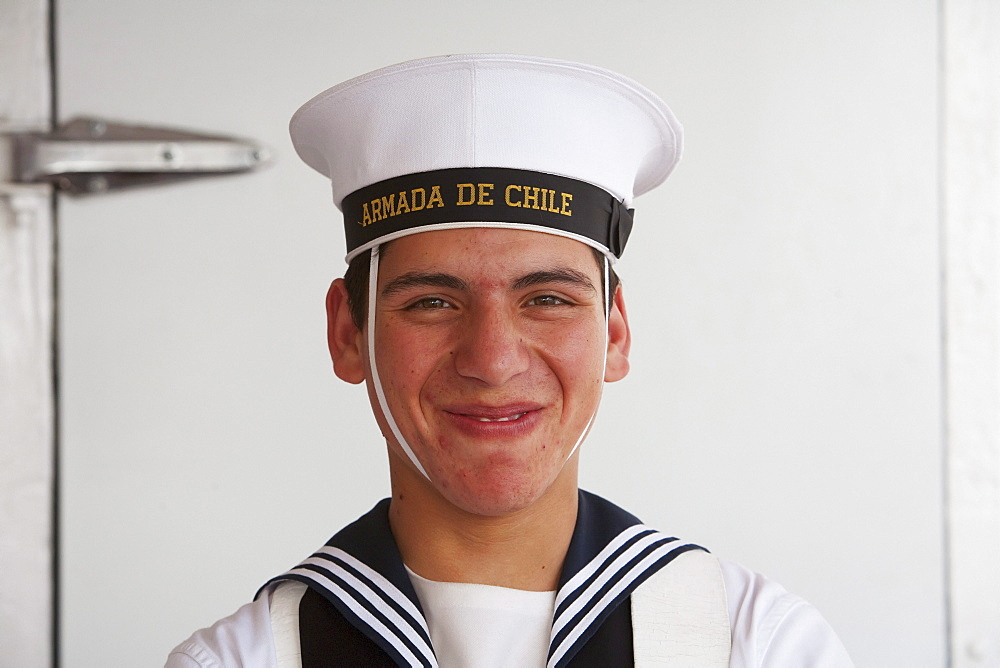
(785, 402)
(788, 358)
(971, 249)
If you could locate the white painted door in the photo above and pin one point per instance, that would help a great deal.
(26, 381)
(784, 404)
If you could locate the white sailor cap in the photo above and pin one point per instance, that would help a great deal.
(488, 141)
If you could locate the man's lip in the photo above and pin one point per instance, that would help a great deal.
(505, 413)
(509, 421)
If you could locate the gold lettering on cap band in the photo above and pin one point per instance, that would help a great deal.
(474, 194)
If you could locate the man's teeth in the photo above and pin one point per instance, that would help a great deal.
(509, 418)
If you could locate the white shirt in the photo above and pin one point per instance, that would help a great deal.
(478, 626)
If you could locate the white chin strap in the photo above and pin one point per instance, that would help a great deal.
(377, 383)
(606, 287)
(372, 291)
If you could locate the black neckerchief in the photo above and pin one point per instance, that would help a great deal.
(372, 615)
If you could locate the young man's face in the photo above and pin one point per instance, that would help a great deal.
(490, 345)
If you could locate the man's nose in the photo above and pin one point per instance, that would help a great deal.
(491, 348)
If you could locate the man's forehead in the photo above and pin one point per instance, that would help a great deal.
(486, 249)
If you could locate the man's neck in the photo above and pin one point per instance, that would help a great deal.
(523, 549)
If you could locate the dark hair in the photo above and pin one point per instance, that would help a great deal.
(356, 283)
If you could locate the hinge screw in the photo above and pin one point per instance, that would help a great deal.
(168, 152)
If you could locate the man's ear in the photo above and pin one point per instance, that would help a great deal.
(619, 340)
(343, 337)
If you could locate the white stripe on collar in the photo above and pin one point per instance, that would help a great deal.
(630, 558)
(389, 612)
(585, 573)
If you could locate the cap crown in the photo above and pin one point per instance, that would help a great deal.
(488, 110)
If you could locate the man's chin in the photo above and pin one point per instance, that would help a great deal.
(495, 494)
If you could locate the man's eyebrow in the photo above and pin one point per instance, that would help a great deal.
(416, 279)
(562, 275)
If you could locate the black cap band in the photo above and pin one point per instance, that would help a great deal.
(485, 194)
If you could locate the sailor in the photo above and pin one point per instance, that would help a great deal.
(486, 199)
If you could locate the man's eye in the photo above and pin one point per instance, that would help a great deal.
(429, 303)
(546, 300)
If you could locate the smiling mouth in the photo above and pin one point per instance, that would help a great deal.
(512, 412)
(509, 418)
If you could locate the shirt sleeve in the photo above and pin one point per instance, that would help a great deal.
(771, 627)
(242, 639)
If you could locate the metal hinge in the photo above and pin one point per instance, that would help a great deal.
(89, 155)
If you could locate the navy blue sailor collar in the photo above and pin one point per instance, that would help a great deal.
(360, 572)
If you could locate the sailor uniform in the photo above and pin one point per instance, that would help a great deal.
(520, 143)
(353, 603)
